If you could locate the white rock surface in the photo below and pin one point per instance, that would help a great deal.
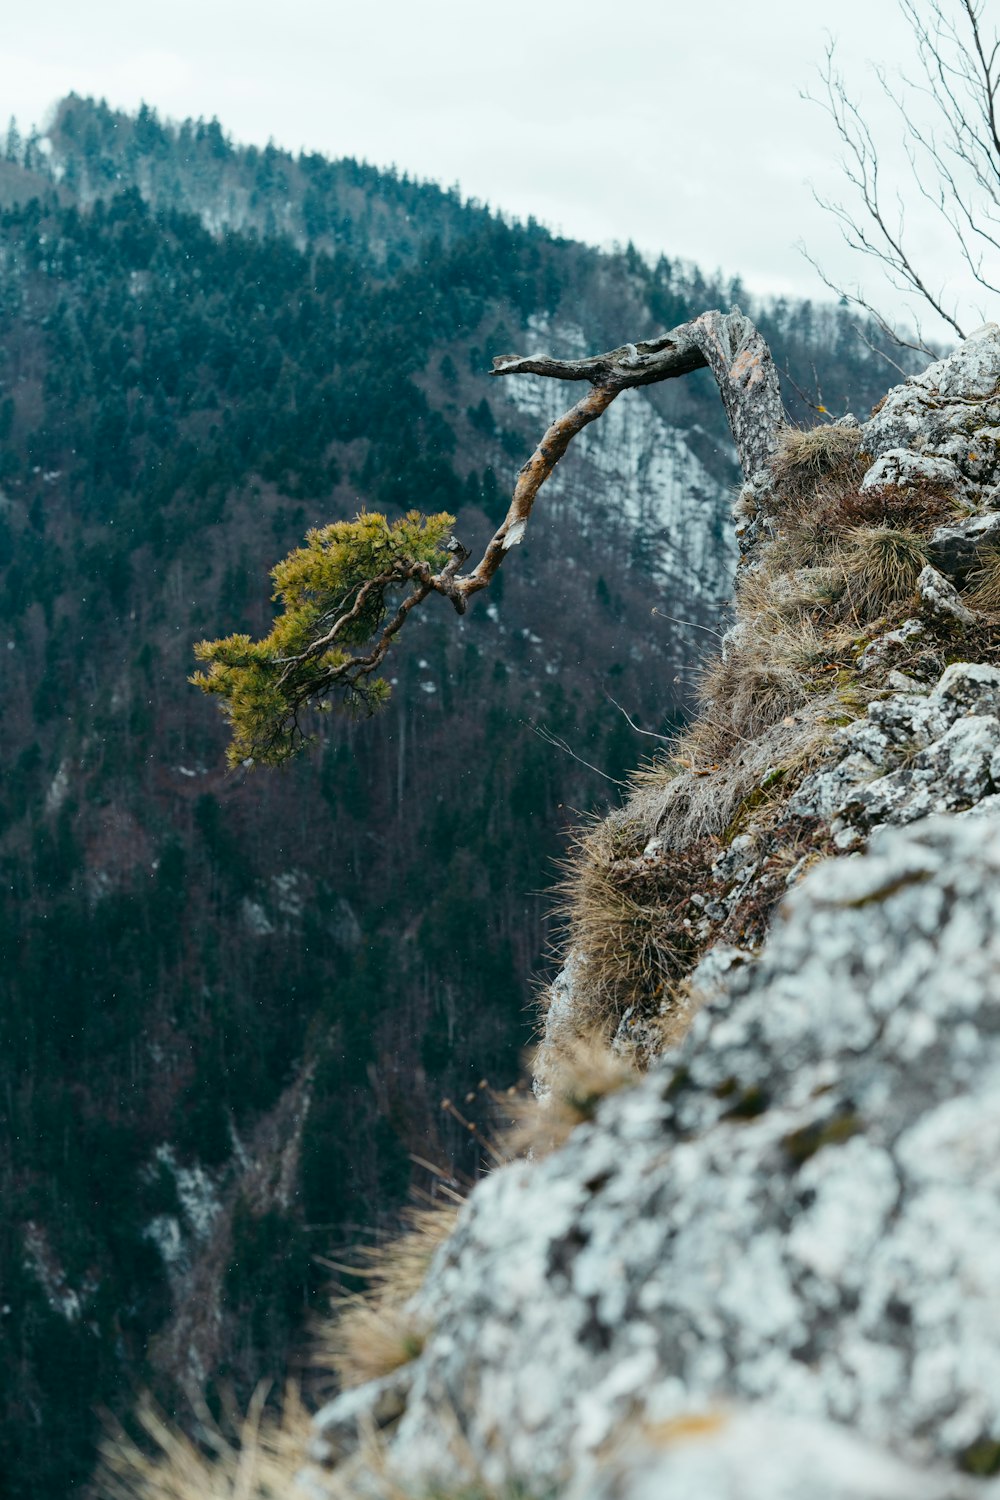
(655, 485)
(940, 602)
(949, 414)
(912, 755)
(797, 1211)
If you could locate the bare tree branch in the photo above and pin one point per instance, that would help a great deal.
(727, 343)
(955, 164)
(264, 708)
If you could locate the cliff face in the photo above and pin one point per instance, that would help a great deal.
(764, 1269)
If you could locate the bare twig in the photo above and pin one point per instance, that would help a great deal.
(557, 743)
(954, 164)
(650, 733)
(693, 624)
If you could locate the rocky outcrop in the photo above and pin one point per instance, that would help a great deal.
(911, 755)
(786, 1229)
(766, 1269)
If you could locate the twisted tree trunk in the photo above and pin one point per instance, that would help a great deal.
(728, 344)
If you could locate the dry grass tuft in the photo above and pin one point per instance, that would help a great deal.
(788, 596)
(702, 800)
(397, 1269)
(880, 567)
(817, 495)
(984, 583)
(805, 456)
(375, 1332)
(368, 1338)
(840, 563)
(257, 1462)
(629, 918)
(584, 1072)
(743, 694)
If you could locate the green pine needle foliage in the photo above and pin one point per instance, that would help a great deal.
(336, 595)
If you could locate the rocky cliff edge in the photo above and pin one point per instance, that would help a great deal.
(765, 1267)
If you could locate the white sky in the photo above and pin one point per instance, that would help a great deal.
(674, 123)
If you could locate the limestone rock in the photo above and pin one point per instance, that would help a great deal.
(754, 1453)
(899, 468)
(939, 600)
(342, 1425)
(957, 549)
(912, 755)
(951, 412)
(881, 651)
(795, 1214)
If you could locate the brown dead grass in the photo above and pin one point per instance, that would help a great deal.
(376, 1331)
(880, 566)
(586, 1071)
(368, 1338)
(841, 568)
(804, 456)
(984, 583)
(629, 918)
(254, 1457)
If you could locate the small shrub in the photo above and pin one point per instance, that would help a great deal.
(911, 508)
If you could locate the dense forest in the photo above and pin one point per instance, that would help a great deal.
(231, 1003)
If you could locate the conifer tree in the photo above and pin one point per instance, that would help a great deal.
(335, 591)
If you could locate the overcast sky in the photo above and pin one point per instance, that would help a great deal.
(675, 123)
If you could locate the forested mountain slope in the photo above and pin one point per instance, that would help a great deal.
(231, 1004)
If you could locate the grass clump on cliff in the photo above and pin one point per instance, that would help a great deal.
(586, 1071)
(804, 456)
(836, 566)
(254, 1458)
(376, 1331)
(984, 583)
(881, 565)
(627, 907)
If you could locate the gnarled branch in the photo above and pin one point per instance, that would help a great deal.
(264, 691)
(728, 344)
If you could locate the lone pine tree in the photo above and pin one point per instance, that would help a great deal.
(338, 621)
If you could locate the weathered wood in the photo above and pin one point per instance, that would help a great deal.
(728, 344)
(675, 353)
(737, 354)
(530, 479)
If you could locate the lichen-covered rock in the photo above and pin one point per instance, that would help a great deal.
(899, 468)
(950, 413)
(799, 1209)
(754, 1453)
(880, 652)
(912, 755)
(939, 600)
(958, 548)
(561, 1025)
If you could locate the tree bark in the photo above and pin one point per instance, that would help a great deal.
(728, 344)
